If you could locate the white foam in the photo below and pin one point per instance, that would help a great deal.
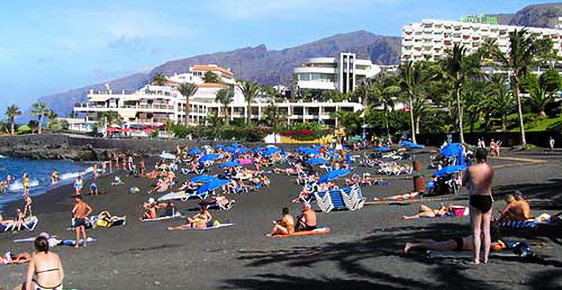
(72, 175)
(18, 186)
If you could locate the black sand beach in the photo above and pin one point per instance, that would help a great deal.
(364, 250)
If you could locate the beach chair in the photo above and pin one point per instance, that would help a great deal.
(324, 201)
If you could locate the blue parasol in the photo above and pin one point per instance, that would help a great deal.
(208, 157)
(410, 145)
(230, 164)
(203, 178)
(452, 149)
(212, 185)
(195, 151)
(333, 175)
(450, 170)
(313, 161)
(383, 149)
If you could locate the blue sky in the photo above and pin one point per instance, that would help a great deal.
(48, 47)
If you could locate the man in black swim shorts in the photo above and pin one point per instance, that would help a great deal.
(478, 180)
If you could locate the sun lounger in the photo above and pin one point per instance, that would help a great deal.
(183, 196)
(346, 198)
(29, 224)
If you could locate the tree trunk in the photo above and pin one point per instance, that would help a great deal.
(418, 121)
(515, 89)
(461, 115)
(386, 124)
(249, 114)
(187, 109)
(12, 126)
(504, 123)
(412, 122)
(225, 113)
(39, 125)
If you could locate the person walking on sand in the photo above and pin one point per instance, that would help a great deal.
(478, 180)
(54, 177)
(79, 214)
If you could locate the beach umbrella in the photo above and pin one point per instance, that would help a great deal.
(113, 129)
(229, 149)
(313, 161)
(452, 149)
(383, 149)
(450, 170)
(219, 146)
(230, 164)
(212, 185)
(208, 157)
(242, 150)
(236, 145)
(333, 175)
(203, 178)
(129, 130)
(259, 149)
(148, 130)
(195, 151)
(269, 151)
(165, 155)
(410, 145)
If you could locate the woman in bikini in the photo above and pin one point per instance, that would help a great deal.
(46, 267)
(198, 221)
(284, 226)
(427, 212)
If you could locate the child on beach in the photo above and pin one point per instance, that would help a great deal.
(78, 184)
(27, 207)
(25, 184)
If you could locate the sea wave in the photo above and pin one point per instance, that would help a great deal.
(72, 175)
(18, 186)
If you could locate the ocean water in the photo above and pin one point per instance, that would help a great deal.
(39, 172)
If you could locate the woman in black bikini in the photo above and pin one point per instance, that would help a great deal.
(46, 267)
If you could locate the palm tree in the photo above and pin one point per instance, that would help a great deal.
(273, 116)
(109, 118)
(350, 121)
(39, 109)
(458, 68)
(187, 90)
(159, 79)
(211, 77)
(501, 98)
(524, 51)
(384, 92)
(225, 96)
(411, 81)
(11, 113)
(250, 90)
(539, 99)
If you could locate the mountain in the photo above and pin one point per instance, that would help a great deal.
(541, 15)
(267, 67)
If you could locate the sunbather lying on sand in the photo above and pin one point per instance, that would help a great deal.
(10, 259)
(456, 244)
(408, 195)
(198, 221)
(427, 212)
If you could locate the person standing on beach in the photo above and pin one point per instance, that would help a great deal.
(141, 166)
(78, 184)
(551, 143)
(54, 176)
(25, 184)
(79, 213)
(27, 206)
(478, 180)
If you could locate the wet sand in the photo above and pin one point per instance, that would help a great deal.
(364, 250)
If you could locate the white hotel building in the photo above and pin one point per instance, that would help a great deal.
(158, 104)
(430, 39)
(341, 73)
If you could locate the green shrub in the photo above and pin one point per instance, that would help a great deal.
(23, 129)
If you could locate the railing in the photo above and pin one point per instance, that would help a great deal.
(112, 106)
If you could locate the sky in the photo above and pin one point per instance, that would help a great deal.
(48, 47)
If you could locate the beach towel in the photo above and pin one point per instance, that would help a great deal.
(53, 241)
(214, 227)
(318, 231)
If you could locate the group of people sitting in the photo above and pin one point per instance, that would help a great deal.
(152, 208)
(517, 209)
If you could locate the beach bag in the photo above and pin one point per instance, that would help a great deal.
(134, 190)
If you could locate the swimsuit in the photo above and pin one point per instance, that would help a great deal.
(482, 203)
(40, 287)
(78, 222)
(460, 244)
(307, 228)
